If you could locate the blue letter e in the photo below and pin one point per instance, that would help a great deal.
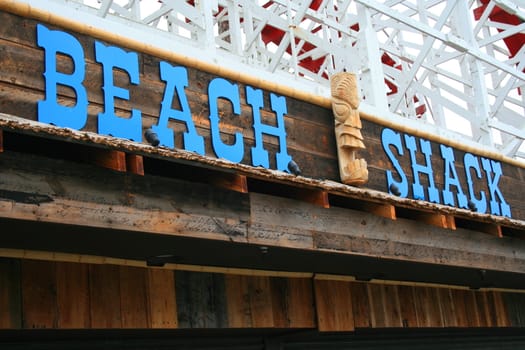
(49, 110)
(108, 122)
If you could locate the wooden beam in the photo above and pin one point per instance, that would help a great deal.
(1, 140)
(384, 210)
(135, 164)
(233, 182)
(428, 217)
(317, 197)
(486, 227)
(115, 160)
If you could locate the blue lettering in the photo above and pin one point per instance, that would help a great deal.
(176, 78)
(471, 162)
(417, 188)
(496, 208)
(221, 88)
(108, 122)
(392, 138)
(49, 110)
(451, 179)
(254, 97)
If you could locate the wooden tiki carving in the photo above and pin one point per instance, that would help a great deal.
(345, 101)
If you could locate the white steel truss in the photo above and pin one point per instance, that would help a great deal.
(450, 66)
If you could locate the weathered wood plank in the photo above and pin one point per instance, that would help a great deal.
(447, 307)
(497, 309)
(249, 300)
(409, 316)
(483, 309)
(161, 298)
(515, 305)
(334, 305)
(238, 302)
(133, 297)
(392, 306)
(201, 300)
(467, 312)
(105, 296)
(292, 302)
(73, 297)
(260, 296)
(300, 303)
(10, 294)
(427, 307)
(39, 303)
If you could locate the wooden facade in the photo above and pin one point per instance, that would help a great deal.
(64, 295)
(84, 218)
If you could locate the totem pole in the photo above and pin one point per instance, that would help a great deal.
(345, 101)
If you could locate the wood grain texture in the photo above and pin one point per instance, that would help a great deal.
(10, 294)
(80, 296)
(73, 295)
(162, 298)
(249, 301)
(201, 300)
(105, 296)
(133, 297)
(39, 302)
(334, 305)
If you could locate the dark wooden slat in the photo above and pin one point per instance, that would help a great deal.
(105, 296)
(238, 302)
(1, 140)
(515, 305)
(73, 297)
(201, 300)
(249, 300)
(360, 305)
(334, 305)
(392, 306)
(448, 311)
(133, 297)
(10, 294)
(497, 309)
(161, 298)
(467, 312)
(259, 292)
(39, 294)
(409, 317)
(300, 303)
(427, 309)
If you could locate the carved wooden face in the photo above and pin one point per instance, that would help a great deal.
(344, 89)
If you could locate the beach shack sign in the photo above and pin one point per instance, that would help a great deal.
(55, 42)
(396, 146)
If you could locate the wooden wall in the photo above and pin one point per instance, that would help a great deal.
(310, 128)
(44, 294)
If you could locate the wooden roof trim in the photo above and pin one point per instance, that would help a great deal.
(26, 10)
(237, 171)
